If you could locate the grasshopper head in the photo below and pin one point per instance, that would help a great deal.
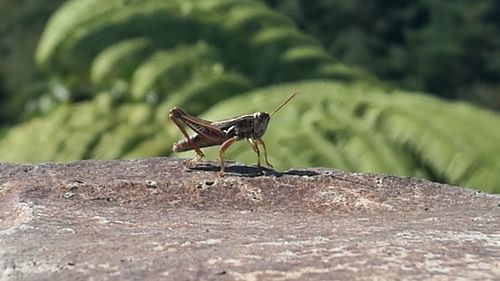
(261, 119)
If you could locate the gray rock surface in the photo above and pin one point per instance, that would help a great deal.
(158, 219)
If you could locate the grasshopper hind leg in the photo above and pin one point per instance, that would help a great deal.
(196, 159)
(176, 116)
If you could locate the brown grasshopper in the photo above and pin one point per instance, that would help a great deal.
(224, 133)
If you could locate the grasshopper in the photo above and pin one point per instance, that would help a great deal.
(224, 133)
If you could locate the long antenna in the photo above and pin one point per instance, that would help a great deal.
(283, 103)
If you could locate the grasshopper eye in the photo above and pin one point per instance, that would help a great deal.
(260, 115)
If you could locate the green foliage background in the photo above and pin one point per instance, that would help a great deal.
(448, 48)
(113, 69)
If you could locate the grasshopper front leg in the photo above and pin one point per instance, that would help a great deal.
(255, 148)
(254, 144)
(265, 152)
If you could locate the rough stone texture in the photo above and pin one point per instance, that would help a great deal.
(159, 219)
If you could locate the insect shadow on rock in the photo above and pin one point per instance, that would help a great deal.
(224, 133)
(240, 170)
(252, 171)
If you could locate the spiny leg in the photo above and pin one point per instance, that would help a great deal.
(265, 151)
(223, 148)
(175, 116)
(255, 148)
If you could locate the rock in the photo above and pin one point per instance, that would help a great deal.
(159, 219)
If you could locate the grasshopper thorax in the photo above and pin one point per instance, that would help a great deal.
(261, 119)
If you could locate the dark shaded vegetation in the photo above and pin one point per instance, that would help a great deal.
(447, 48)
(21, 25)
